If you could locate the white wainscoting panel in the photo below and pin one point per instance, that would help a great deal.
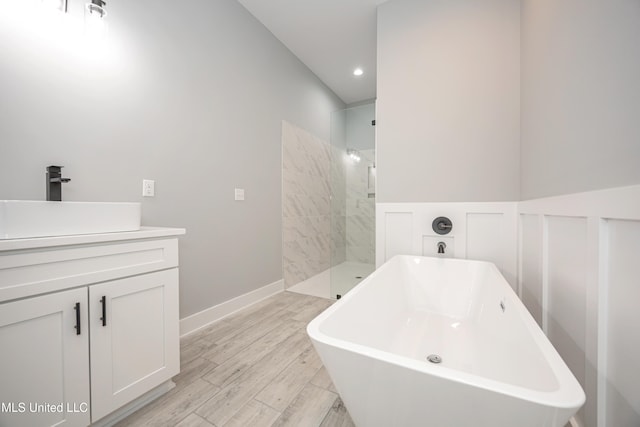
(622, 357)
(530, 265)
(579, 261)
(576, 262)
(398, 234)
(565, 290)
(485, 231)
(485, 238)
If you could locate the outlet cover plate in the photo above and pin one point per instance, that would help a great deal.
(148, 188)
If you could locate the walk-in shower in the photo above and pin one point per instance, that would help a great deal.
(328, 211)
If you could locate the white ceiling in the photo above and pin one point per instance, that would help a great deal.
(331, 37)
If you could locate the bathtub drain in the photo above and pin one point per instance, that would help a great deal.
(434, 358)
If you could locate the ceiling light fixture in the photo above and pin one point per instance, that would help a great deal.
(96, 8)
(358, 72)
(94, 19)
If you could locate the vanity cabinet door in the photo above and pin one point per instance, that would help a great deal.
(134, 338)
(44, 360)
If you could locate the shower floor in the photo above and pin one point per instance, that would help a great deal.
(343, 276)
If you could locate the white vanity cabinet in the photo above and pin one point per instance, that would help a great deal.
(88, 325)
(43, 360)
(134, 345)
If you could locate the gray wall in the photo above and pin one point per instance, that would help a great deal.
(449, 107)
(448, 122)
(580, 96)
(192, 96)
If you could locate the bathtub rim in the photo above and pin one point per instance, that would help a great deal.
(568, 395)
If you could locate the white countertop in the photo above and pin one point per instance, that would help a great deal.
(81, 239)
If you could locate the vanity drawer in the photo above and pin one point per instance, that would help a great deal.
(30, 272)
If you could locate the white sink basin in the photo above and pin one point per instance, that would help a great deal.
(27, 218)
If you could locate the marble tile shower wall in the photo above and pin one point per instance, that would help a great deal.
(306, 205)
(360, 210)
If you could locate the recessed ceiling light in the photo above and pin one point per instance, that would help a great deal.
(358, 72)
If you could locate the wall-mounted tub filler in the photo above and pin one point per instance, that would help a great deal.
(442, 225)
(441, 247)
(54, 183)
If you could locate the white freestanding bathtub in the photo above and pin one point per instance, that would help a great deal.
(497, 368)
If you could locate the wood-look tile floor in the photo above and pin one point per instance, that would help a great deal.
(254, 368)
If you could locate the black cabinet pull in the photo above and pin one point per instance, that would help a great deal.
(103, 300)
(77, 309)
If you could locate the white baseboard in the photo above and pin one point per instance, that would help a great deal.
(131, 407)
(205, 317)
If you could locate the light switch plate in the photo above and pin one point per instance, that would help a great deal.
(148, 188)
(239, 194)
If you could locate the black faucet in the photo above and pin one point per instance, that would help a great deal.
(54, 183)
(441, 246)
